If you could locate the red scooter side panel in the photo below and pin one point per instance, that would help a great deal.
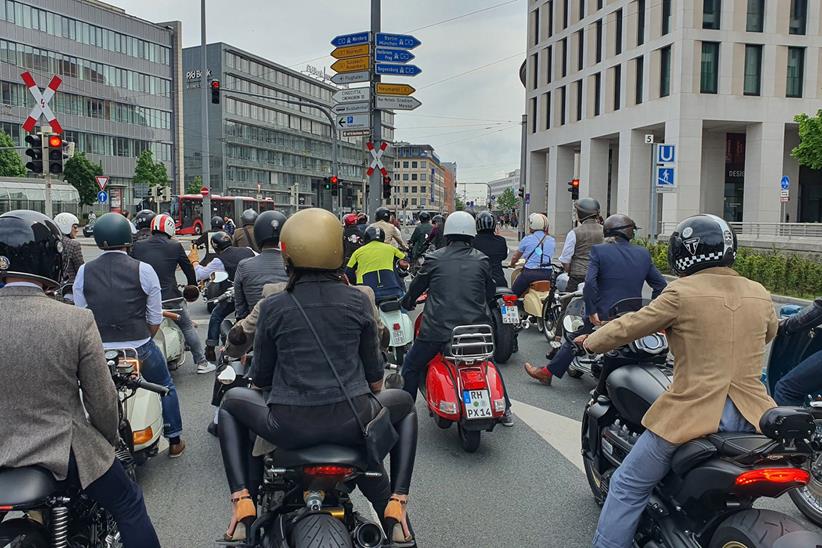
(439, 387)
(494, 385)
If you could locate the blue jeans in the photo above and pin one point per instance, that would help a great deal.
(220, 312)
(804, 379)
(565, 355)
(633, 482)
(190, 334)
(154, 369)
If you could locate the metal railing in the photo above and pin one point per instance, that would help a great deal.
(787, 231)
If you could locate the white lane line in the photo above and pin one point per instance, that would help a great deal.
(561, 433)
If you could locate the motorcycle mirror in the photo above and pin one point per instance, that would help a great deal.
(218, 277)
(227, 375)
(190, 293)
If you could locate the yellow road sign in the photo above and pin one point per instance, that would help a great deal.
(354, 64)
(350, 51)
(394, 89)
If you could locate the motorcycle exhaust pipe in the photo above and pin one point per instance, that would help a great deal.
(368, 535)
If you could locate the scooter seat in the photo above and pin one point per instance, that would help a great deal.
(735, 444)
(28, 487)
(542, 286)
(390, 306)
(321, 454)
(689, 455)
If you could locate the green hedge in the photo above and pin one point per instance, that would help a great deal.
(783, 274)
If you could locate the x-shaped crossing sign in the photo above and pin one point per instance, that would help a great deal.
(376, 158)
(41, 107)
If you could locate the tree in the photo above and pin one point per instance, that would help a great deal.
(150, 173)
(11, 165)
(809, 151)
(459, 205)
(507, 201)
(195, 185)
(79, 171)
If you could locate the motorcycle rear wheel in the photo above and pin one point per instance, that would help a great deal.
(753, 529)
(809, 498)
(469, 439)
(320, 531)
(23, 533)
(503, 338)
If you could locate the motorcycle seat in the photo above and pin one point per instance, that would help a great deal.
(542, 286)
(25, 487)
(390, 306)
(690, 454)
(735, 444)
(321, 454)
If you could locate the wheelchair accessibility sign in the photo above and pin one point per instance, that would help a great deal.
(665, 179)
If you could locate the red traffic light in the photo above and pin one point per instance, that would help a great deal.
(215, 84)
(55, 141)
(333, 180)
(575, 183)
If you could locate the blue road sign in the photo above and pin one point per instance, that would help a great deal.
(350, 39)
(527, 198)
(665, 177)
(786, 182)
(404, 41)
(666, 154)
(102, 196)
(398, 70)
(386, 55)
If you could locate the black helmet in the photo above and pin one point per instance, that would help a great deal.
(587, 208)
(248, 217)
(486, 222)
(31, 247)
(220, 241)
(267, 227)
(438, 219)
(619, 226)
(143, 219)
(700, 242)
(373, 233)
(383, 214)
(217, 223)
(424, 217)
(112, 231)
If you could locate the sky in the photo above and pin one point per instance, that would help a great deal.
(472, 99)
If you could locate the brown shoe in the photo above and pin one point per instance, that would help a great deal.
(539, 373)
(176, 449)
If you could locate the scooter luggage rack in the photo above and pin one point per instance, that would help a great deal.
(471, 343)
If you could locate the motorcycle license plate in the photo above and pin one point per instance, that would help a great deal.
(477, 404)
(510, 314)
(397, 338)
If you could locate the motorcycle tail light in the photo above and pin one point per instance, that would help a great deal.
(6, 508)
(472, 379)
(396, 327)
(793, 477)
(499, 406)
(142, 436)
(449, 408)
(328, 471)
(510, 300)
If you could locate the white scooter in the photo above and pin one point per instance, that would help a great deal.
(400, 328)
(169, 338)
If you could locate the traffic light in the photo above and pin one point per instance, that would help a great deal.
(386, 187)
(35, 152)
(165, 194)
(573, 188)
(215, 92)
(55, 154)
(330, 183)
(521, 192)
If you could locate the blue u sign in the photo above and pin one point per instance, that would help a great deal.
(666, 154)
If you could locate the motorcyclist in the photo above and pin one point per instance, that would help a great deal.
(217, 225)
(267, 267)
(576, 253)
(307, 405)
(618, 270)
(435, 237)
(805, 378)
(460, 285)
(718, 324)
(492, 245)
(142, 222)
(538, 248)
(125, 296)
(392, 233)
(352, 235)
(45, 422)
(165, 254)
(227, 260)
(69, 226)
(420, 236)
(228, 225)
(373, 265)
(244, 237)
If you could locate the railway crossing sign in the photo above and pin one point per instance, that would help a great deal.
(376, 161)
(42, 99)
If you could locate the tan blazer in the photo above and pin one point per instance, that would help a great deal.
(718, 324)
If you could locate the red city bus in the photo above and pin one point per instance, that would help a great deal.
(187, 210)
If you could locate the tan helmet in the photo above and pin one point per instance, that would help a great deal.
(313, 239)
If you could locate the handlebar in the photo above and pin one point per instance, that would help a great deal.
(151, 387)
(229, 294)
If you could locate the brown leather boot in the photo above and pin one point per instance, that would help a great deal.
(539, 373)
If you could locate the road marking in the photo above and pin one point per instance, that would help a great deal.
(561, 433)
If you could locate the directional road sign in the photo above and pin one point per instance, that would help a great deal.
(351, 108)
(354, 64)
(398, 70)
(403, 41)
(354, 121)
(785, 183)
(102, 196)
(356, 133)
(351, 39)
(394, 89)
(666, 154)
(41, 103)
(353, 95)
(350, 51)
(388, 55)
(665, 180)
(102, 181)
(397, 102)
(351, 77)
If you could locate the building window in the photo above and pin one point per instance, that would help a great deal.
(535, 73)
(547, 98)
(535, 15)
(711, 13)
(413, 188)
(565, 10)
(562, 98)
(756, 16)
(549, 63)
(405, 165)
(564, 44)
(533, 114)
(709, 72)
(600, 4)
(413, 178)
(599, 41)
(665, 71)
(640, 26)
(617, 86)
(580, 58)
(753, 69)
(405, 190)
(597, 93)
(796, 72)
(666, 17)
(405, 178)
(579, 100)
(799, 16)
(640, 77)
(618, 32)
(414, 165)
(581, 10)
(550, 7)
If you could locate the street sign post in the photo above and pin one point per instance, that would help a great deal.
(101, 181)
(351, 108)
(403, 41)
(352, 64)
(354, 95)
(395, 89)
(354, 121)
(351, 77)
(350, 51)
(397, 102)
(102, 197)
(390, 55)
(397, 70)
(666, 154)
(351, 39)
(41, 105)
(665, 179)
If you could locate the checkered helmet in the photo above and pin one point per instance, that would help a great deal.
(700, 242)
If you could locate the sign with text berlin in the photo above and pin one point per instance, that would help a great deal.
(403, 41)
(398, 70)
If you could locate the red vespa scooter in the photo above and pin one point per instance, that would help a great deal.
(462, 386)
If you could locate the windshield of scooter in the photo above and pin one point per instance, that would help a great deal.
(626, 306)
(573, 320)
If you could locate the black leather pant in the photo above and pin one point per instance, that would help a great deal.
(244, 414)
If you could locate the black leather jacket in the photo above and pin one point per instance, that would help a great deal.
(459, 284)
(807, 318)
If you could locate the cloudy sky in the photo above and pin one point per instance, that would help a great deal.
(470, 57)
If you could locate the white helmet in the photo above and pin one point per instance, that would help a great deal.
(537, 221)
(66, 222)
(460, 223)
(164, 223)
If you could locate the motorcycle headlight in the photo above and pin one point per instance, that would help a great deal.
(572, 324)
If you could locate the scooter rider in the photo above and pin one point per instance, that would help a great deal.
(460, 286)
(805, 378)
(217, 225)
(373, 265)
(125, 296)
(69, 225)
(165, 254)
(492, 245)
(538, 248)
(306, 405)
(267, 267)
(618, 270)
(142, 222)
(435, 237)
(718, 324)
(392, 233)
(244, 237)
(576, 253)
(45, 422)
(352, 235)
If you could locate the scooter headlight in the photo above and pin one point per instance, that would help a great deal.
(572, 324)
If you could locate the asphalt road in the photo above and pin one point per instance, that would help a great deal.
(523, 487)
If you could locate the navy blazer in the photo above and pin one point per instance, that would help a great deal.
(618, 271)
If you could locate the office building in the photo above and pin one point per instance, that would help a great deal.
(120, 90)
(498, 186)
(450, 185)
(720, 79)
(418, 180)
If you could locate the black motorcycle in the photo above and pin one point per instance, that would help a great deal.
(505, 313)
(57, 515)
(707, 498)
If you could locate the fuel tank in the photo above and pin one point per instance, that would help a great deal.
(633, 388)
